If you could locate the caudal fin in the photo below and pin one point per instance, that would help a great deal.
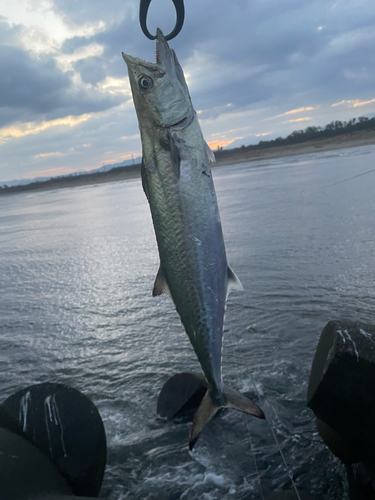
(208, 409)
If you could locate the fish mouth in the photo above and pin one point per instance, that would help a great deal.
(161, 47)
(163, 56)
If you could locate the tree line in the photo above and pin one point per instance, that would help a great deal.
(310, 133)
(332, 129)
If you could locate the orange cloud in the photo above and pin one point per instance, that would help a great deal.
(300, 119)
(297, 110)
(28, 128)
(221, 143)
(50, 172)
(130, 156)
(262, 135)
(46, 155)
(354, 103)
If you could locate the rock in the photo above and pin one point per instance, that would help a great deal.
(66, 426)
(181, 396)
(25, 471)
(336, 443)
(341, 389)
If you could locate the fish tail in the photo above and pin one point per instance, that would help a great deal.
(208, 409)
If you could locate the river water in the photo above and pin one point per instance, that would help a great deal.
(77, 268)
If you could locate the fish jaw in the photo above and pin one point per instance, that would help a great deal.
(159, 89)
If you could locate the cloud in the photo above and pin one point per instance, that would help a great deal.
(354, 103)
(50, 172)
(47, 155)
(298, 110)
(299, 119)
(32, 128)
(251, 67)
(34, 87)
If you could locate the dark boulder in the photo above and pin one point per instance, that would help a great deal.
(66, 426)
(341, 390)
(25, 471)
(181, 396)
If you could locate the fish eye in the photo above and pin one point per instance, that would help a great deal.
(145, 82)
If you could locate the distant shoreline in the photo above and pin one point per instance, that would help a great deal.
(350, 140)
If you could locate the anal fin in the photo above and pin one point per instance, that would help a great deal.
(233, 282)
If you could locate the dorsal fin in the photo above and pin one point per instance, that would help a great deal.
(233, 282)
(161, 285)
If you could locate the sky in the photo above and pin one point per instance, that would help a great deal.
(256, 70)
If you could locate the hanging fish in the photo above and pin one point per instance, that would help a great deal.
(176, 178)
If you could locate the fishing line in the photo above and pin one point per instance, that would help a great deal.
(250, 440)
(353, 177)
(270, 423)
(255, 460)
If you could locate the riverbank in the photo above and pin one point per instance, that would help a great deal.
(352, 140)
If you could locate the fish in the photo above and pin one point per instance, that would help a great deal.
(177, 180)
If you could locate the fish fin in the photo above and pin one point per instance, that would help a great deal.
(160, 285)
(208, 409)
(233, 282)
(210, 153)
(238, 401)
(144, 180)
(175, 155)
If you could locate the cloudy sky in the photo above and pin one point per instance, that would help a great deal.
(255, 68)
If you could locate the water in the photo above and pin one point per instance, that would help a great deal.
(77, 268)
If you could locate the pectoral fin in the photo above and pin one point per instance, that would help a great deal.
(161, 285)
(175, 155)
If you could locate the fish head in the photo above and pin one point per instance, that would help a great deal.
(160, 93)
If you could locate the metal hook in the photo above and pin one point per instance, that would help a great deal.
(180, 16)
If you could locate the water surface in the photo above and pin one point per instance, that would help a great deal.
(77, 268)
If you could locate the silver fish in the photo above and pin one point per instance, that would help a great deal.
(176, 178)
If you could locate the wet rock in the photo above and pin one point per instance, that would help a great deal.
(25, 471)
(181, 396)
(337, 444)
(341, 389)
(66, 426)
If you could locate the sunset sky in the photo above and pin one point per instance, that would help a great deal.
(255, 69)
